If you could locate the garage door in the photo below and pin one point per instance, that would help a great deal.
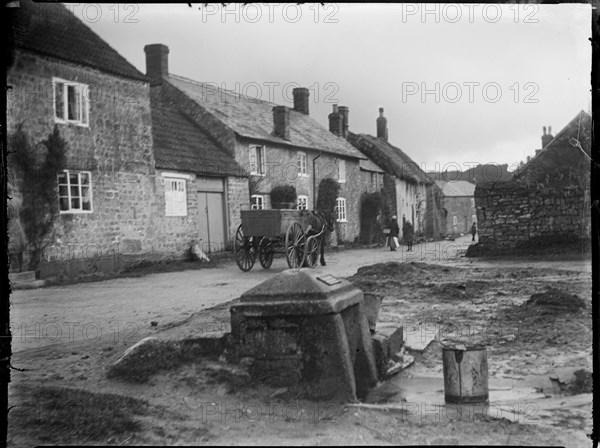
(211, 205)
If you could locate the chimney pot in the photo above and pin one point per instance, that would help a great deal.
(344, 112)
(544, 130)
(301, 95)
(281, 122)
(382, 131)
(547, 137)
(157, 62)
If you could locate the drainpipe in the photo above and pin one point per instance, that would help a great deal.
(314, 182)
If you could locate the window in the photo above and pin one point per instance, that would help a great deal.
(472, 202)
(302, 202)
(454, 221)
(302, 164)
(257, 160)
(340, 209)
(71, 102)
(341, 171)
(75, 192)
(175, 197)
(374, 181)
(257, 202)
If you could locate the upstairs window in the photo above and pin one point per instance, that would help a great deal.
(341, 171)
(340, 209)
(257, 160)
(75, 192)
(302, 203)
(71, 102)
(257, 202)
(175, 197)
(302, 164)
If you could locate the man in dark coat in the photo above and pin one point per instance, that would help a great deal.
(407, 233)
(394, 233)
(473, 231)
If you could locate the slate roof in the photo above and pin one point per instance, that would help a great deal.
(52, 30)
(392, 158)
(456, 188)
(253, 118)
(179, 144)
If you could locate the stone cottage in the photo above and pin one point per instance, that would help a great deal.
(548, 200)
(458, 205)
(275, 145)
(404, 182)
(64, 75)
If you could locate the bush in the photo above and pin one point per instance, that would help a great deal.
(370, 208)
(284, 196)
(329, 190)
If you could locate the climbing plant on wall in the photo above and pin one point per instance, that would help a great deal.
(329, 190)
(370, 208)
(37, 167)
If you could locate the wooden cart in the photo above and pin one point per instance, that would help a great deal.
(263, 233)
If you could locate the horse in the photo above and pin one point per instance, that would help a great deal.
(318, 222)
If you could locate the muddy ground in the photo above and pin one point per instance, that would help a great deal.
(533, 344)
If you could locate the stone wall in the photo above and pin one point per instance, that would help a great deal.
(512, 215)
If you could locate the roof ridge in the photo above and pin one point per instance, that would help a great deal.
(229, 92)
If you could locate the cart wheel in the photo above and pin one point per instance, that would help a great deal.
(312, 252)
(245, 253)
(265, 253)
(295, 240)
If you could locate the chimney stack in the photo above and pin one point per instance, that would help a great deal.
(382, 131)
(336, 121)
(157, 62)
(547, 138)
(301, 99)
(344, 112)
(281, 122)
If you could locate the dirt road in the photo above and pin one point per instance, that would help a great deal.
(67, 337)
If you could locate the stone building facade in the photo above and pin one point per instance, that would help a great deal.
(66, 76)
(274, 145)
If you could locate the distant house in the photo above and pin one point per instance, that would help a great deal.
(548, 199)
(64, 75)
(458, 205)
(404, 182)
(274, 145)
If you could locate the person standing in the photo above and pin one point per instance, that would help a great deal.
(394, 232)
(407, 232)
(473, 230)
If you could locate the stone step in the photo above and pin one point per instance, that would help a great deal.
(21, 277)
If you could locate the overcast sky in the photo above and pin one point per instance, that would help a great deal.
(495, 74)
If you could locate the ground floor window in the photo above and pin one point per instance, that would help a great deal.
(75, 191)
(175, 197)
(257, 202)
(302, 202)
(340, 209)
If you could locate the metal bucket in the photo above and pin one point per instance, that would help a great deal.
(465, 373)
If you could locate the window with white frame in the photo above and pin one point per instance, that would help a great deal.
(472, 202)
(302, 203)
(175, 197)
(75, 191)
(341, 171)
(257, 160)
(340, 209)
(71, 102)
(257, 202)
(454, 221)
(302, 164)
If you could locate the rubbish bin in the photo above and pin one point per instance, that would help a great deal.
(465, 372)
